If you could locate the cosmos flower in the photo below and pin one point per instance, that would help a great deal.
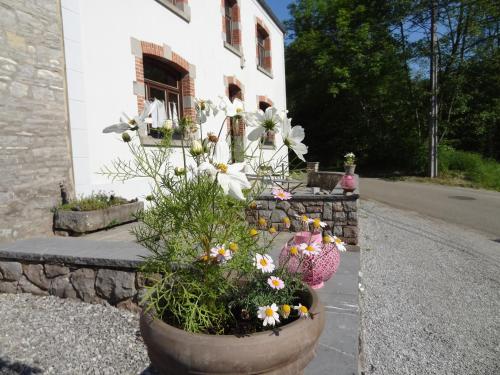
(293, 137)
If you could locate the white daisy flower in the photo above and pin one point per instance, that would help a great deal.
(269, 314)
(276, 283)
(293, 137)
(285, 311)
(317, 223)
(302, 310)
(264, 263)
(339, 244)
(230, 177)
(220, 253)
(310, 249)
(264, 121)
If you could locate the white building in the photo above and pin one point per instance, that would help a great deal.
(120, 53)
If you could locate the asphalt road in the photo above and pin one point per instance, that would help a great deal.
(470, 208)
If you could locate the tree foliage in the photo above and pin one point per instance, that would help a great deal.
(357, 78)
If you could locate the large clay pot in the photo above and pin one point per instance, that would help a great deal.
(315, 270)
(173, 351)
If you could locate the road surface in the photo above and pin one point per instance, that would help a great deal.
(469, 208)
(429, 295)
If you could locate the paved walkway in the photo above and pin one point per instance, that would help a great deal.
(470, 208)
(430, 298)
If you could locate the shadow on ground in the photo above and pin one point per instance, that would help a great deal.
(17, 368)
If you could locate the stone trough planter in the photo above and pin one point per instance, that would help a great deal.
(77, 223)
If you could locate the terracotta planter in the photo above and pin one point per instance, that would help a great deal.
(177, 352)
(349, 169)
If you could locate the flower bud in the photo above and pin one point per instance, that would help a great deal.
(179, 171)
(168, 125)
(196, 148)
(126, 137)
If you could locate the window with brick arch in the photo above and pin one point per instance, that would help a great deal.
(263, 48)
(236, 128)
(268, 138)
(163, 82)
(229, 10)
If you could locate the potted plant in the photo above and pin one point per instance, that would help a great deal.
(216, 301)
(349, 163)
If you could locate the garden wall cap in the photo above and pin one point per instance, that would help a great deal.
(76, 251)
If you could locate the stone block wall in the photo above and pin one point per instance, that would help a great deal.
(123, 288)
(338, 211)
(35, 154)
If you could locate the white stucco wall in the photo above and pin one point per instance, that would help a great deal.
(105, 70)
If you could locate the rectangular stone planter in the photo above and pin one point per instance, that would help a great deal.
(79, 222)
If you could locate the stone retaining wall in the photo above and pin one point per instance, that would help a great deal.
(123, 288)
(339, 211)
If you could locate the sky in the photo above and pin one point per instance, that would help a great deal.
(279, 8)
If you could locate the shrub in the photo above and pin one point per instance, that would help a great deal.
(96, 201)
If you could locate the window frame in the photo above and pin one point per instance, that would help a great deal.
(228, 18)
(261, 47)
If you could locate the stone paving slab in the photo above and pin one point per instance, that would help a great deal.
(77, 251)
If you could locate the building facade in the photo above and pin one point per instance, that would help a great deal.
(111, 56)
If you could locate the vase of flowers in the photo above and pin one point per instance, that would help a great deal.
(349, 163)
(312, 253)
(212, 286)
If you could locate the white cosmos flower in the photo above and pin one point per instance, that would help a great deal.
(293, 137)
(264, 263)
(220, 253)
(131, 123)
(264, 121)
(235, 108)
(276, 283)
(205, 108)
(230, 177)
(339, 244)
(310, 249)
(269, 314)
(302, 310)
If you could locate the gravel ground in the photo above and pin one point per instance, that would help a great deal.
(430, 296)
(49, 335)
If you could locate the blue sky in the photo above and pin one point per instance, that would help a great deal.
(279, 7)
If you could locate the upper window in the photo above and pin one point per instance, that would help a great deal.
(180, 7)
(263, 49)
(163, 82)
(228, 19)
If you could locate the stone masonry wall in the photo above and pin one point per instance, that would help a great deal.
(339, 212)
(118, 287)
(35, 153)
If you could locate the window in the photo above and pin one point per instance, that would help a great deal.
(261, 47)
(269, 136)
(179, 7)
(236, 128)
(228, 19)
(163, 82)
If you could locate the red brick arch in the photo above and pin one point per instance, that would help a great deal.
(140, 48)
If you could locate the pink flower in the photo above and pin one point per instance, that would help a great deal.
(275, 283)
(281, 194)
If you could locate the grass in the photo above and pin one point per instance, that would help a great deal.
(462, 168)
(97, 201)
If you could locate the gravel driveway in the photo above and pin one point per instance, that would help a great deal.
(430, 296)
(49, 335)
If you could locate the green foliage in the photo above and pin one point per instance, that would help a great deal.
(483, 172)
(357, 79)
(96, 201)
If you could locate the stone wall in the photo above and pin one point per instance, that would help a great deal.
(337, 210)
(35, 153)
(123, 288)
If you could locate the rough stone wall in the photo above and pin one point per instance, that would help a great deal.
(121, 288)
(340, 215)
(34, 143)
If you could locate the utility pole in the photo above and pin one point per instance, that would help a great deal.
(433, 120)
